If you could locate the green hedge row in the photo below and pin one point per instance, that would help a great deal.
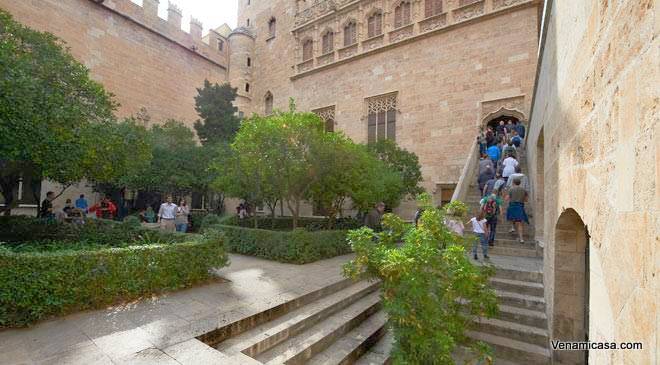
(286, 223)
(36, 285)
(298, 246)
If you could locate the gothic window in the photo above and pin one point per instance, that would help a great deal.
(221, 45)
(402, 14)
(268, 104)
(308, 50)
(272, 23)
(381, 118)
(432, 7)
(327, 114)
(247, 87)
(375, 25)
(328, 42)
(350, 34)
(249, 62)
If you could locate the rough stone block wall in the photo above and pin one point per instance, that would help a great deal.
(596, 110)
(142, 68)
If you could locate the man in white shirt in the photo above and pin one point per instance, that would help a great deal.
(167, 214)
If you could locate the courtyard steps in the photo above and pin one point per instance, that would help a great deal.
(337, 324)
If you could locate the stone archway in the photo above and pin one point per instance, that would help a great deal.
(571, 292)
(501, 113)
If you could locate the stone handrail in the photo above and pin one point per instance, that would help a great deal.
(463, 185)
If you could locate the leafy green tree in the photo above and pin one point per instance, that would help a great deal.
(218, 122)
(431, 291)
(54, 120)
(178, 166)
(405, 163)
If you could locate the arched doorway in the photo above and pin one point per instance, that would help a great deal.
(571, 294)
(505, 114)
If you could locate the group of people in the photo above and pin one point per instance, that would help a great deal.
(500, 181)
(172, 217)
(104, 209)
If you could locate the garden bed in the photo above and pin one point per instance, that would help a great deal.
(47, 271)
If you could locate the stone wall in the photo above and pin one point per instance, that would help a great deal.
(446, 79)
(144, 60)
(595, 117)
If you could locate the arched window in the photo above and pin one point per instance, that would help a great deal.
(402, 14)
(432, 7)
(268, 103)
(328, 42)
(350, 34)
(308, 50)
(272, 23)
(375, 24)
(221, 45)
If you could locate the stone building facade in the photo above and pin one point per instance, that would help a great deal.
(435, 70)
(593, 155)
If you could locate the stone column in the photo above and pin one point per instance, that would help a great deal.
(150, 8)
(196, 29)
(174, 16)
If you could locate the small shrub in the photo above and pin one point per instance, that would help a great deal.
(132, 222)
(431, 290)
(297, 246)
(210, 220)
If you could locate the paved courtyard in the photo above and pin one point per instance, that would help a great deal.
(161, 330)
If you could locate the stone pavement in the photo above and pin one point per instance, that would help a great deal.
(162, 330)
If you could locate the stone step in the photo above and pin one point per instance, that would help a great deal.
(463, 355)
(517, 286)
(528, 317)
(245, 323)
(351, 346)
(511, 251)
(300, 348)
(513, 330)
(520, 300)
(264, 337)
(512, 350)
(379, 354)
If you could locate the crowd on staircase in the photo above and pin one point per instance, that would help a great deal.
(501, 182)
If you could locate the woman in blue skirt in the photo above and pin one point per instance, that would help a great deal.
(515, 213)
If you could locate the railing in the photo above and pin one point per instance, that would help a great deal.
(463, 185)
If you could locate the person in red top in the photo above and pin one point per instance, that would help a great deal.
(105, 209)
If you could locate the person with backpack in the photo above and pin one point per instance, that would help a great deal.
(509, 150)
(516, 140)
(481, 231)
(485, 176)
(491, 208)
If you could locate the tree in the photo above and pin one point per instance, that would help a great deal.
(218, 122)
(178, 166)
(55, 122)
(405, 163)
(431, 290)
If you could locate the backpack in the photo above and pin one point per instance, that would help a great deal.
(490, 208)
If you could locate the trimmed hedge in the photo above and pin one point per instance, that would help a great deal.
(297, 246)
(36, 285)
(286, 223)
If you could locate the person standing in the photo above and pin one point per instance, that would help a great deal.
(182, 213)
(484, 177)
(515, 213)
(508, 167)
(374, 218)
(167, 215)
(494, 154)
(81, 203)
(46, 210)
(105, 209)
(480, 229)
(491, 206)
(524, 182)
(516, 140)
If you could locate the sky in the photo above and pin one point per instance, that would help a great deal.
(212, 13)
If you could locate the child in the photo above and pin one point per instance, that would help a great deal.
(480, 229)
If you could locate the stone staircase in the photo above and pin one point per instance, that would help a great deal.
(340, 324)
(519, 333)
